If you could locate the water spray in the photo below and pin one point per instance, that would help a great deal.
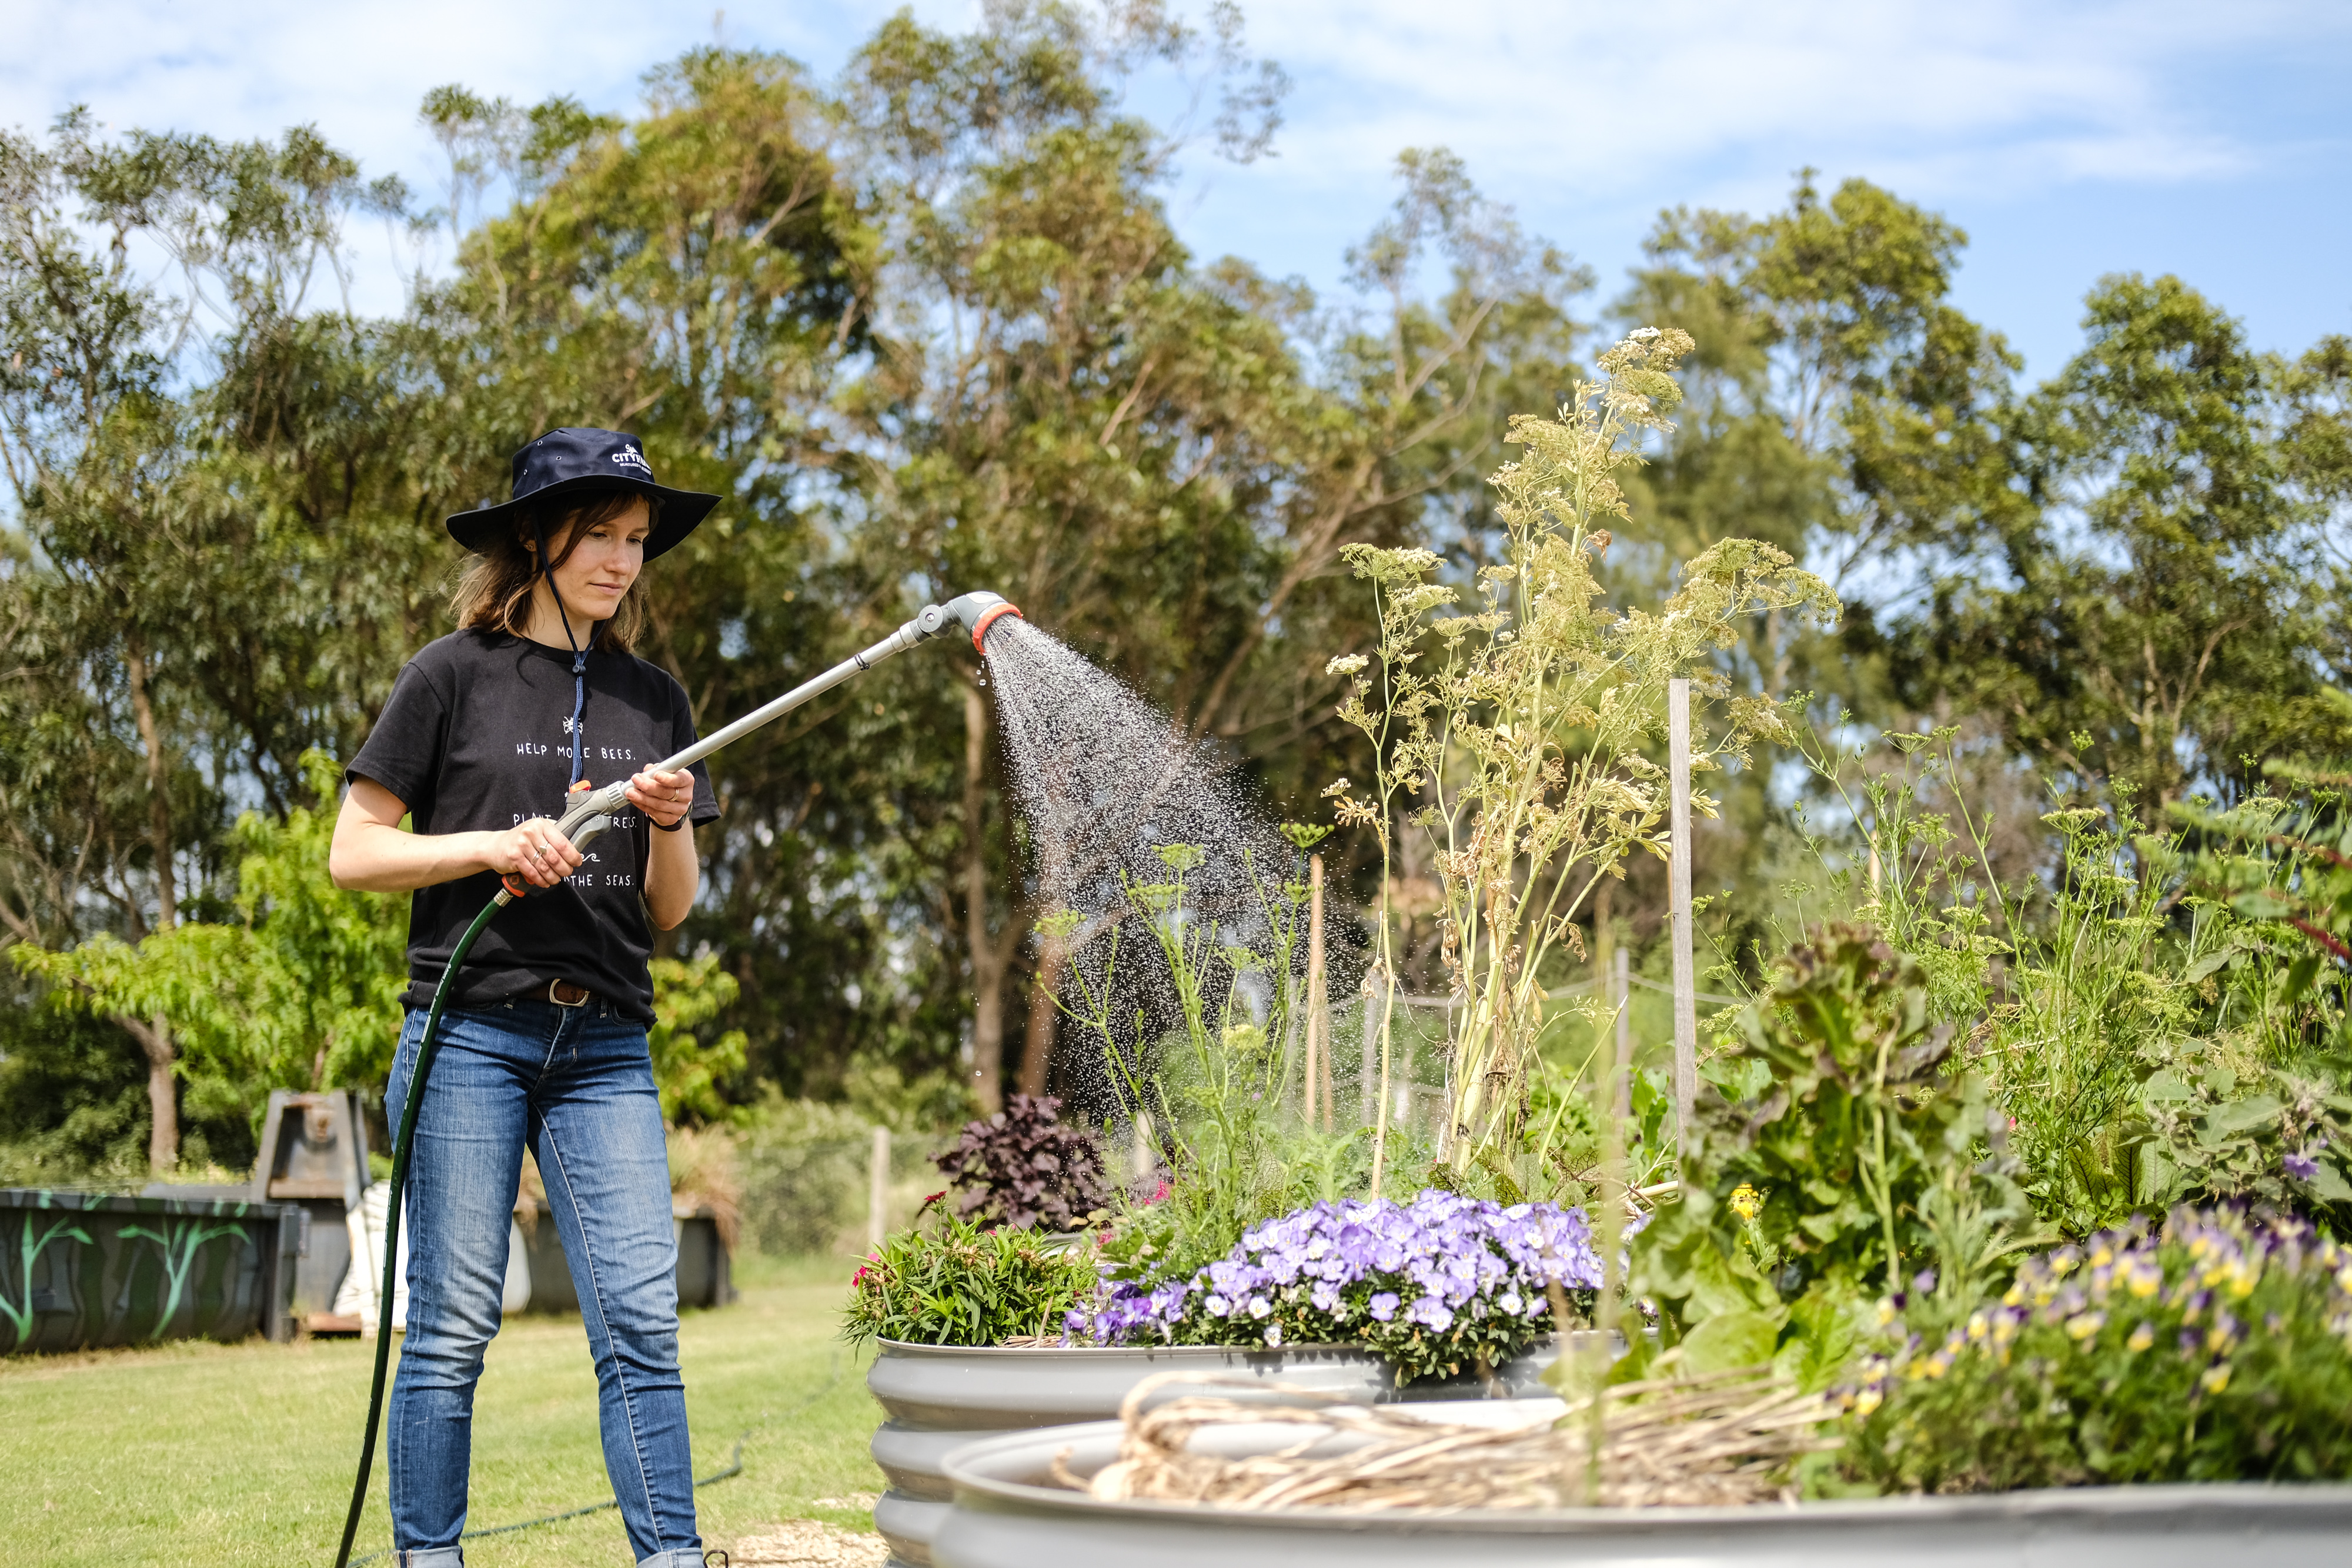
(584, 822)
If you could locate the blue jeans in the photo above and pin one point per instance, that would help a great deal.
(577, 1085)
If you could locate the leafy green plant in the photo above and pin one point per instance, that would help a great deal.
(689, 1070)
(2263, 1110)
(960, 1284)
(1517, 737)
(2138, 1016)
(2213, 1348)
(1835, 1158)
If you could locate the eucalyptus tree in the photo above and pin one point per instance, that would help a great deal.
(2159, 622)
(149, 683)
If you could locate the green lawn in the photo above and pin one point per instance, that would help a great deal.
(194, 1453)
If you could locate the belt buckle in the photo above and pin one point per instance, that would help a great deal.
(559, 1001)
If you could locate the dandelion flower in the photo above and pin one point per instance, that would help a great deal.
(1746, 1201)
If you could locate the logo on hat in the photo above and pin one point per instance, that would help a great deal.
(629, 456)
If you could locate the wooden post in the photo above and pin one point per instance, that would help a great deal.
(1317, 1074)
(877, 1189)
(1621, 993)
(1368, 1082)
(1678, 746)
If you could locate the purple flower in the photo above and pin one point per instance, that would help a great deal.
(2301, 1165)
(1383, 1305)
(1432, 1312)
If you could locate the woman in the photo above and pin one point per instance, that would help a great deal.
(543, 1043)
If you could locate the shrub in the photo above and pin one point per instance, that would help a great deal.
(2213, 1348)
(966, 1286)
(1021, 1168)
(1436, 1286)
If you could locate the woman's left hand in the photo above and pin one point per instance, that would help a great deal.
(664, 797)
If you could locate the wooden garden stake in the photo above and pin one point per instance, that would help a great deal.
(1620, 995)
(1678, 746)
(1318, 1005)
(877, 1189)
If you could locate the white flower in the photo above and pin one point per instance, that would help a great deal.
(1346, 665)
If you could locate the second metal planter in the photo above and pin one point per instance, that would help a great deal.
(1006, 1516)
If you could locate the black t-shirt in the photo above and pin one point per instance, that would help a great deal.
(477, 737)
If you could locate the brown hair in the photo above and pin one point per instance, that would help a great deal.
(493, 590)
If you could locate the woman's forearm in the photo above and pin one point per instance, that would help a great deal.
(673, 876)
(372, 857)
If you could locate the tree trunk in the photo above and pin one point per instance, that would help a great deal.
(988, 961)
(159, 803)
(155, 1037)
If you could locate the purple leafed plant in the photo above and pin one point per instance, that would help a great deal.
(1021, 1168)
(1436, 1285)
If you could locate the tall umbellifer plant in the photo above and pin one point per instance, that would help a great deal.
(1520, 736)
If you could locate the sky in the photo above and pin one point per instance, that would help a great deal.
(2069, 140)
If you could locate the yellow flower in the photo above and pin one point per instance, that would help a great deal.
(2083, 1325)
(2102, 1258)
(2141, 1338)
(1885, 1312)
(1866, 1401)
(2145, 1280)
(2216, 1378)
(2015, 1296)
(1979, 1325)
(1746, 1201)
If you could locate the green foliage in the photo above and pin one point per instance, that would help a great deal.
(687, 1070)
(961, 1284)
(303, 992)
(1835, 1160)
(2157, 633)
(2213, 1348)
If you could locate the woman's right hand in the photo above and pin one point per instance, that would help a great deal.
(535, 851)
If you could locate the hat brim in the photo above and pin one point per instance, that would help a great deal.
(682, 512)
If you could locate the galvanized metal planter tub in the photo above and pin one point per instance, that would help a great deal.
(1004, 1517)
(942, 1397)
(82, 1269)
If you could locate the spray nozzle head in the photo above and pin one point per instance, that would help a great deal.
(975, 612)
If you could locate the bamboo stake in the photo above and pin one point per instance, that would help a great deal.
(1679, 745)
(1620, 995)
(1318, 1004)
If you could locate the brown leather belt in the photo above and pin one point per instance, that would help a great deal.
(564, 994)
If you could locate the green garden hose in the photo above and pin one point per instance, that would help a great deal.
(401, 1147)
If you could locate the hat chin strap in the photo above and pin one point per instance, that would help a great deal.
(579, 659)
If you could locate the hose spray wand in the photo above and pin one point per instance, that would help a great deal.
(975, 612)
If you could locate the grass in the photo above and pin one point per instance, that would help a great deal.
(208, 1454)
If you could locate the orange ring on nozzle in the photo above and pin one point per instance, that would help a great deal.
(987, 619)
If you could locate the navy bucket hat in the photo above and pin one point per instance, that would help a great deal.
(570, 462)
